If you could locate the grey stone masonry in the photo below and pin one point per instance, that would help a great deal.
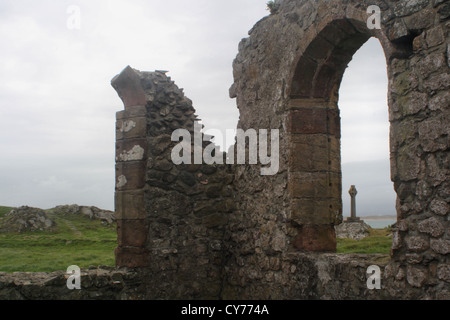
(197, 231)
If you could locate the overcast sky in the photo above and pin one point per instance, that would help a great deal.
(57, 108)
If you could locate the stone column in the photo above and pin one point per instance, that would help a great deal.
(131, 160)
(315, 173)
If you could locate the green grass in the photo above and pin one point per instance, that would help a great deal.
(79, 241)
(378, 241)
(4, 211)
(75, 241)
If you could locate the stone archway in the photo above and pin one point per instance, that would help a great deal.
(287, 75)
(314, 130)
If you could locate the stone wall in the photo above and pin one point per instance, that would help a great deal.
(310, 276)
(220, 231)
(96, 284)
(287, 76)
(171, 218)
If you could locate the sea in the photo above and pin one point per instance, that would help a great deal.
(379, 224)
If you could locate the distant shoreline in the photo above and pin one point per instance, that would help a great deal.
(377, 218)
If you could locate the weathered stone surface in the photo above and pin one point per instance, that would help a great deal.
(417, 244)
(439, 207)
(130, 176)
(103, 283)
(309, 121)
(130, 257)
(432, 227)
(130, 205)
(128, 86)
(357, 230)
(131, 150)
(131, 128)
(318, 211)
(316, 238)
(444, 272)
(416, 276)
(398, 31)
(409, 7)
(132, 233)
(440, 246)
(311, 153)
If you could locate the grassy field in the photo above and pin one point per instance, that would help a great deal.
(76, 241)
(378, 241)
(83, 242)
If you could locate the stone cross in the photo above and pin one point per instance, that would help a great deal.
(353, 192)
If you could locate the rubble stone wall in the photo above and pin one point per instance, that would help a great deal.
(287, 76)
(171, 218)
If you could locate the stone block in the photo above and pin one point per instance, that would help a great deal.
(315, 211)
(440, 246)
(308, 121)
(302, 85)
(416, 276)
(314, 152)
(131, 150)
(431, 63)
(130, 176)
(131, 128)
(412, 103)
(398, 31)
(437, 82)
(308, 103)
(439, 207)
(319, 49)
(432, 227)
(130, 205)
(420, 20)
(215, 220)
(417, 244)
(129, 257)
(313, 121)
(132, 233)
(443, 272)
(408, 164)
(316, 238)
(132, 112)
(315, 184)
(129, 88)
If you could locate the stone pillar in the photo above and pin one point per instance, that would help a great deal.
(131, 161)
(315, 173)
(171, 217)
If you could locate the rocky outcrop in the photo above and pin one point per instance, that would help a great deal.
(355, 230)
(93, 213)
(26, 219)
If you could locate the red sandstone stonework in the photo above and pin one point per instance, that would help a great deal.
(316, 238)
